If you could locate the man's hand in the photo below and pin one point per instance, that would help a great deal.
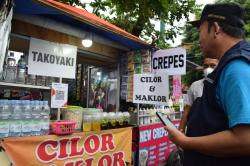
(175, 136)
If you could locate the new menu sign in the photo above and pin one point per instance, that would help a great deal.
(154, 144)
(151, 89)
(170, 61)
(51, 59)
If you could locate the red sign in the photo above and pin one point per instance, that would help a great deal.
(177, 89)
(95, 148)
(154, 145)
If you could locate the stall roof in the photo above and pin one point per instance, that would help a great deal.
(80, 18)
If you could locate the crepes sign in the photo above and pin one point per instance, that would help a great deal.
(51, 59)
(170, 61)
(151, 89)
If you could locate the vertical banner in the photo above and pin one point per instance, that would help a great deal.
(154, 145)
(177, 87)
(59, 95)
(109, 147)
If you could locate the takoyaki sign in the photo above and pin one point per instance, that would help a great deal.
(88, 149)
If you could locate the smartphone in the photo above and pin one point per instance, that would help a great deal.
(165, 120)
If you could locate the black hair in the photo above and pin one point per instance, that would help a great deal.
(228, 29)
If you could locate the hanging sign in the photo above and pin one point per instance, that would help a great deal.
(59, 95)
(170, 61)
(51, 59)
(97, 148)
(177, 89)
(151, 89)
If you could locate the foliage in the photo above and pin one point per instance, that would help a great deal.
(191, 36)
(136, 16)
(246, 5)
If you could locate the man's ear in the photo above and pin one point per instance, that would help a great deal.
(217, 29)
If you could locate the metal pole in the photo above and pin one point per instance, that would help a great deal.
(118, 76)
(59, 110)
(138, 116)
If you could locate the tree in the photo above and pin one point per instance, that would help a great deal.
(191, 37)
(246, 5)
(135, 16)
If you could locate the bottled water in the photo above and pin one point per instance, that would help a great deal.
(6, 107)
(46, 107)
(26, 125)
(16, 109)
(45, 118)
(10, 69)
(15, 125)
(4, 125)
(21, 70)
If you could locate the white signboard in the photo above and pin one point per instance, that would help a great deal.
(59, 95)
(170, 61)
(51, 59)
(151, 89)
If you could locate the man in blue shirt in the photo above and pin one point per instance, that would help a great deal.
(218, 128)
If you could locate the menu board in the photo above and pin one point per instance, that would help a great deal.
(154, 144)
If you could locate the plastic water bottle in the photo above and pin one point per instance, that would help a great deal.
(45, 118)
(46, 107)
(6, 107)
(10, 69)
(15, 125)
(26, 125)
(16, 109)
(26, 107)
(4, 125)
(21, 70)
(1, 106)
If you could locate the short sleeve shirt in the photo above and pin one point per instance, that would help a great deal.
(233, 92)
(195, 91)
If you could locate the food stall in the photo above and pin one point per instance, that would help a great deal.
(59, 55)
(150, 90)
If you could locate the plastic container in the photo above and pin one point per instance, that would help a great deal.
(63, 127)
(104, 121)
(10, 69)
(119, 119)
(96, 121)
(112, 120)
(4, 125)
(87, 122)
(73, 113)
(126, 118)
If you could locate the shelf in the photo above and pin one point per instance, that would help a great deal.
(147, 115)
(24, 86)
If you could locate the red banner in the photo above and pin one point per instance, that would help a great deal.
(154, 145)
(109, 147)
